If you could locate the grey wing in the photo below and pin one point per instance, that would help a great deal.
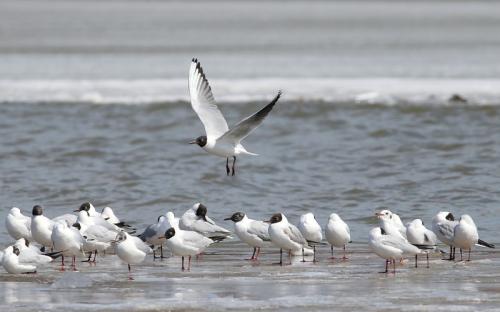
(447, 230)
(148, 233)
(260, 229)
(242, 129)
(206, 228)
(195, 239)
(399, 243)
(140, 244)
(295, 235)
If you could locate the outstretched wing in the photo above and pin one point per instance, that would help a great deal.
(247, 125)
(203, 102)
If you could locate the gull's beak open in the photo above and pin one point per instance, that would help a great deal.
(192, 142)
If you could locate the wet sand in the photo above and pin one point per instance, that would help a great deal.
(224, 280)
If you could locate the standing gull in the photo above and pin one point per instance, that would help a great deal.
(69, 241)
(390, 246)
(186, 243)
(465, 235)
(41, 227)
(18, 225)
(311, 230)
(253, 232)
(219, 139)
(130, 249)
(418, 235)
(153, 234)
(443, 225)
(286, 236)
(337, 233)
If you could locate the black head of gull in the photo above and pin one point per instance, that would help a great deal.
(450, 217)
(277, 217)
(236, 217)
(201, 141)
(170, 233)
(201, 212)
(37, 210)
(77, 225)
(84, 207)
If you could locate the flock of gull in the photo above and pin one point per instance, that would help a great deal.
(40, 240)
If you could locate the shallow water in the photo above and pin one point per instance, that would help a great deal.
(319, 157)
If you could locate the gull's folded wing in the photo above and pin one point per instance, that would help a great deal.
(203, 102)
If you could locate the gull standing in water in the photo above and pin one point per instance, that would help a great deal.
(41, 227)
(418, 235)
(186, 243)
(465, 235)
(219, 139)
(337, 233)
(196, 219)
(153, 234)
(69, 241)
(311, 230)
(390, 246)
(286, 236)
(443, 225)
(253, 232)
(130, 249)
(18, 225)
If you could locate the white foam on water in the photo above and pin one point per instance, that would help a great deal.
(384, 91)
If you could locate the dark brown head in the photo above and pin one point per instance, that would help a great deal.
(201, 141)
(77, 226)
(84, 207)
(450, 217)
(277, 217)
(170, 233)
(37, 210)
(236, 217)
(201, 212)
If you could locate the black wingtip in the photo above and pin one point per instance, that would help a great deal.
(485, 244)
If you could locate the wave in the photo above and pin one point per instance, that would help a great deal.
(384, 91)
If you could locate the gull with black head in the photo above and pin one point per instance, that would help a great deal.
(286, 236)
(219, 139)
(186, 243)
(253, 232)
